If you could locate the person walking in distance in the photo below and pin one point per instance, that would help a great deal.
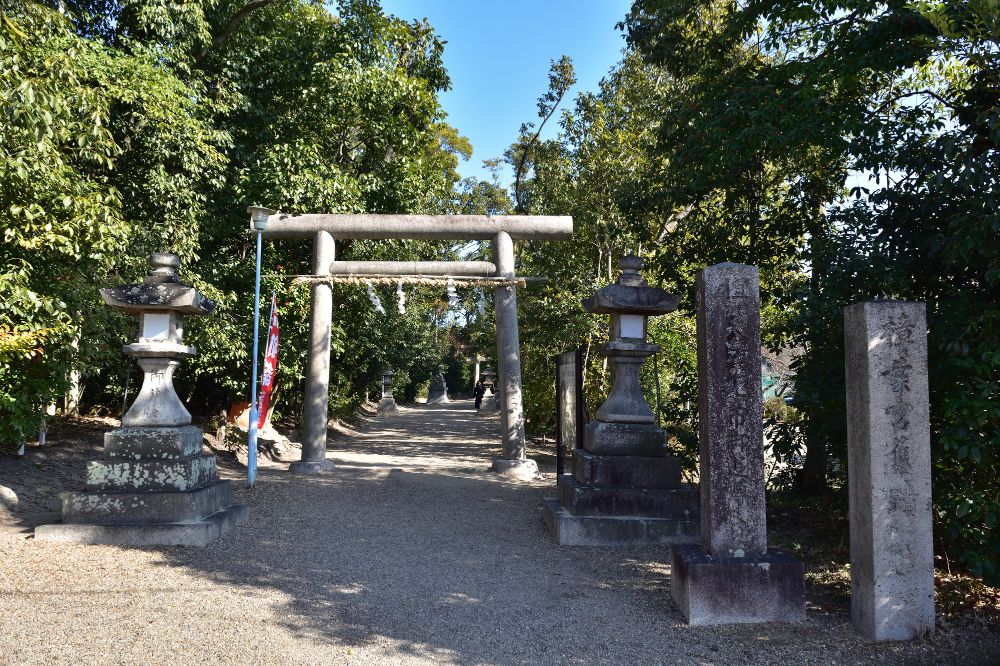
(480, 390)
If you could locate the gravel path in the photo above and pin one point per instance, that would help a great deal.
(409, 553)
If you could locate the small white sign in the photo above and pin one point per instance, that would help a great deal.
(631, 326)
(155, 326)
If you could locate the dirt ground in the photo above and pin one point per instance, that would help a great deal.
(410, 552)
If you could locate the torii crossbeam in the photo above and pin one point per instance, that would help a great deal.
(501, 230)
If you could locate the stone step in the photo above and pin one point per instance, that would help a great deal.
(200, 533)
(152, 475)
(117, 508)
(672, 503)
(570, 530)
(152, 443)
(626, 471)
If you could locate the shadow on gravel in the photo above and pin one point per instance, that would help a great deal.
(408, 557)
(438, 563)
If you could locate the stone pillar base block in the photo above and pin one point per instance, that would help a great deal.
(626, 471)
(521, 470)
(570, 530)
(200, 533)
(309, 467)
(624, 439)
(710, 590)
(146, 508)
(438, 399)
(388, 406)
(174, 475)
(671, 503)
(152, 443)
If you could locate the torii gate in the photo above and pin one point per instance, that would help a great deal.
(325, 230)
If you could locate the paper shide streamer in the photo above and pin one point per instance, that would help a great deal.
(452, 294)
(373, 297)
(400, 298)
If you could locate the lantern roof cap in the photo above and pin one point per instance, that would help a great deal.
(631, 294)
(161, 290)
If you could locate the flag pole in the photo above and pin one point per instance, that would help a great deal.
(258, 219)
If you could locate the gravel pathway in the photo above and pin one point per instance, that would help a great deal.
(409, 553)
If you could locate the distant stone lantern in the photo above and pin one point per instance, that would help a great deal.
(625, 487)
(388, 403)
(438, 393)
(154, 485)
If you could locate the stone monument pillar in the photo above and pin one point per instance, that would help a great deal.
(489, 404)
(732, 577)
(625, 487)
(889, 470)
(388, 403)
(438, 392)
(154, 485)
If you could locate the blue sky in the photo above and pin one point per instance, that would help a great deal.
(498, 55)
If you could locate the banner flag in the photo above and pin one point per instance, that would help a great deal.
(270, 362)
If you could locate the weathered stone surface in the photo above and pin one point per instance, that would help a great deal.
(768, 587)
(157, 404)
(154, 472)
(889, 470)
(199, 533)
(626, 471)
(438, 392)
(573, 530)
(388, 406)
(521, 470)
(152, 443)
(671, 503)
(316, 405)
(152, 475)
(624, 439)
(125, 508)
(625, 402)
(730, 411)
(309, 467)
(625, 488)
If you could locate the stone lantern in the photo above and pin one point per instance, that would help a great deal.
(154, 485)
(438, 393)
(388, 403)
(489, 403)
(625, 488)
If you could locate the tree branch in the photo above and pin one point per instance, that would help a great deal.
(238, 18)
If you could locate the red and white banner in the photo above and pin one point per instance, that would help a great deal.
(270, 363)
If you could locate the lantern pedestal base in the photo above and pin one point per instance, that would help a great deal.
(570, 530)
(200, 533)
(154, 487)
(388, 406)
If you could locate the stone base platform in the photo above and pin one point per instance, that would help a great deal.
(519, 470)
(311, 467)
(199, 533)
(709, 590)
(387, 406)
(571, 530)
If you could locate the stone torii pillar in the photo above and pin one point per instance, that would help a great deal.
(501, 230)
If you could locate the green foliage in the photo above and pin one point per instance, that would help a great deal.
(782, 101)
(136, 127)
